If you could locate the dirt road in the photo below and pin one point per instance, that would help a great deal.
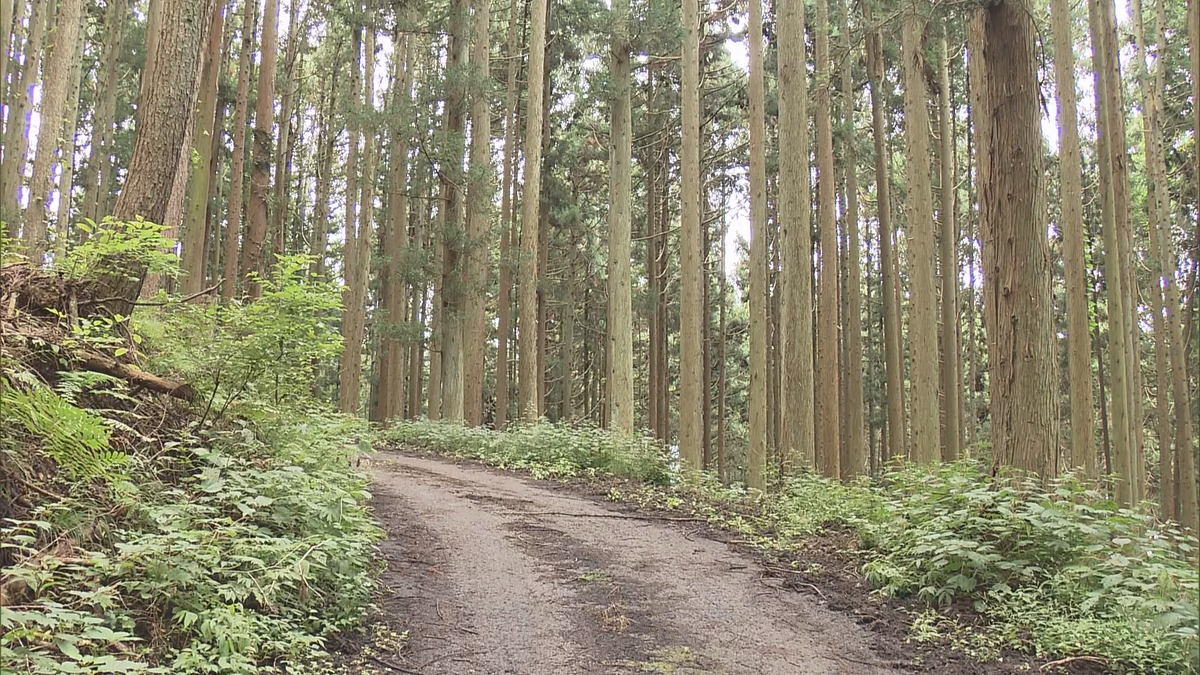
(493, 573)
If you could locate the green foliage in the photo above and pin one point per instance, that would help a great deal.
(115, 247)
(261, 550)
(545, 450)
(265, 352)
(1060, 565)
(74, 438)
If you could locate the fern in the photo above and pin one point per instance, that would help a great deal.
(74, 438)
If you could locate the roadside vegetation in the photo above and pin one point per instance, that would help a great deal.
(220, 528)
(1055, 571)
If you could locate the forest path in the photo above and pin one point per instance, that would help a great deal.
(488, 576)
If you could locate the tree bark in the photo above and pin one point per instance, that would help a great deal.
(893, 365)
(326, 138)
(392, 291)
(66, 151)
(1079, 347)
(20, 116)
(481, 191)
(798, 440)
(759, 292)
(455, 247)
(99, 163)
(507, 221)
(1185, 457)
(923, 304)
(722, 337)
(1123, 448)
(260, 166)
(56, 78)
(350, 366)
(620, 292)
(951, 384)
(160, 144)
(194, 242)
(361, 271)
(237, 162)
(1118, 151)
(527, 339)
(690, 359)
(854, 449)
(1023, 365)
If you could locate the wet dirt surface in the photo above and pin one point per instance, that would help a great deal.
(490, 572)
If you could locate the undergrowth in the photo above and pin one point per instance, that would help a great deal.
(143, 534)
(1055, 570)
(545, 450)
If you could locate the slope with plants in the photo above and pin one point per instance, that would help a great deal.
(210, 523)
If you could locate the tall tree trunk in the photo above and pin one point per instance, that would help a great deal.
(1158, 211)
(237, 162)
(507, 219)
(284, 149)
(690, 360)
(923, 313)
(481, 192)
(99, 163)
(64, 40)
(1185, 457)
(828, 387)
(893, 366)
(350, 367)
(759, 292)
(1023, 367)
(455, 248)
(1123, 449)
(326, 138)
(1117, 148)
(854, 459)
(527, 339)
(567, 344)
(161, 141)
(66, 151)
(972, 403)
(951, 384)
(260, 166)
(620, 213)
(194, 241)
(6, 34)
(361, 270)
(722, 337)
(1079, 347)
(392, 291)
(20, 116)
(798, 440)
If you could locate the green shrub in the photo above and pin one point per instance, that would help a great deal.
(265, 547)
(545, 449)
(240, 355)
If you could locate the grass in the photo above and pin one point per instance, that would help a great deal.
(1055, 570)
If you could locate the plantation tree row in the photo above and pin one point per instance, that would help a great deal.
(777, 236)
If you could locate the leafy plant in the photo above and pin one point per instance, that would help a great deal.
(261, 551)
(114, 246)
(266, 351)
(74, 438)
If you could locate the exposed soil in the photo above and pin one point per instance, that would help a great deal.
(493, 573)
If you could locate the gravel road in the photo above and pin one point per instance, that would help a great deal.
(493, 573)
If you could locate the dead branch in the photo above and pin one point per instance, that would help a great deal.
(108, 366)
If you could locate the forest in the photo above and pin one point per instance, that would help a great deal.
(899, 296)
